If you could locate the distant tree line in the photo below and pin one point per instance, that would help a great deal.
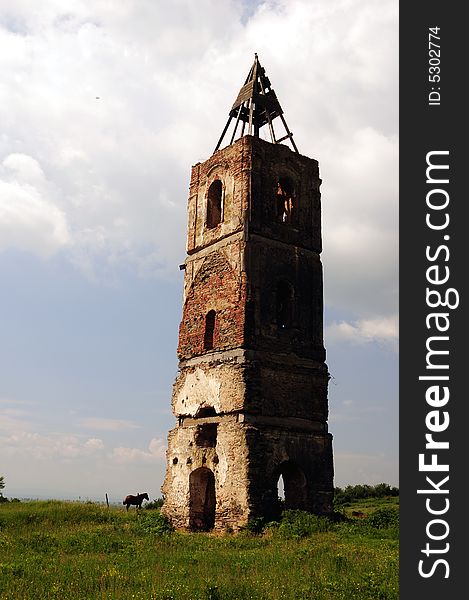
(363, 491)
(2, 486)
(2, 497)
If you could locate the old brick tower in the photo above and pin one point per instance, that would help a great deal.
(250, 397)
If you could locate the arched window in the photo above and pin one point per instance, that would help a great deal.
(210, 319)
(285, 201)
(214, 203)
(291, 486)
(284, 305)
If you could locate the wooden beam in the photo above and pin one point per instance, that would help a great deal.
(223, 134)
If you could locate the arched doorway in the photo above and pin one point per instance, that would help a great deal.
(291, 486)
(202, 499)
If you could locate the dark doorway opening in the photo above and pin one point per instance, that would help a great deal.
(202, 499)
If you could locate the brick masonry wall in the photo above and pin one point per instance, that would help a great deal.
(232, 166)
(220, 287)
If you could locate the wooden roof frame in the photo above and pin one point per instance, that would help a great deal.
(255, 106)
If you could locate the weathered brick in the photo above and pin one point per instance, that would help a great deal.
(251, 352)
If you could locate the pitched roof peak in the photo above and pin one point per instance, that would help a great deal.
(256, 105)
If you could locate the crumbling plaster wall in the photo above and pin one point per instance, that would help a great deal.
(216, 384)
(228, 460)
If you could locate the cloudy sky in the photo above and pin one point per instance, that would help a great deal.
(104, 107)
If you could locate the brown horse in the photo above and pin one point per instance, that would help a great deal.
(135, 500)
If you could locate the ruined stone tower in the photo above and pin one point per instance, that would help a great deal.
(250, 397)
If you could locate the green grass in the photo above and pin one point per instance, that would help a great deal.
(367, 505)
(68, 550)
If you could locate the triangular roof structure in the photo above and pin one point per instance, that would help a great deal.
(256, 105)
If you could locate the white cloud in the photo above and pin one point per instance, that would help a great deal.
(24, 168)
(13, 418)
(104, 424)
(384, 330)
(360, 216)
(51, 446)
(94, 444)
(120, 164)
(63, 446)
(156, 452)
(29, 219)
(20, 438)
(13, 402)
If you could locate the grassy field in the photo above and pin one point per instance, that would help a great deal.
(74, 551)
